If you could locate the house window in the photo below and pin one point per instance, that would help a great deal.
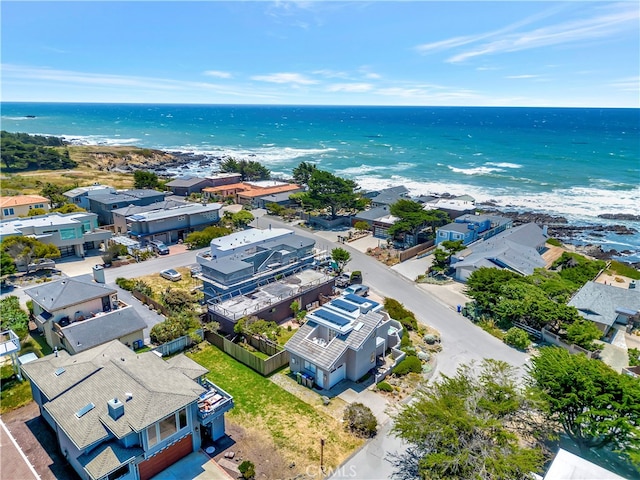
(67, 233)
(119, 473)
(182, 419)
(152, 437)
(373, 357)
(310, 367)
(167, 427)
(8, 211)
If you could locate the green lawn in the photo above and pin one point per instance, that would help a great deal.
(14, 393)
(262, 406)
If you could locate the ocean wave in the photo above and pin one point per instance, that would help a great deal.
(99, 140)
(475, 170)
(578, 203)
(503, 165)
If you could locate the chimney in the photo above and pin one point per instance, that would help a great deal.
(55, 351)
(116, 408)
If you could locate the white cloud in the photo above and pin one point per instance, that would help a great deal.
(526, 75)
(217, 74)
(327, 73)
(600, 26)
(629, 84)
(350, 87)
(292, 78)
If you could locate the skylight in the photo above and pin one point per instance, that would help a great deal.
(59, 371)
(84, 410)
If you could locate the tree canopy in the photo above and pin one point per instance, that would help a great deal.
(248, 169)
(329, 191)
(25, 249)
(302, 173)
(21, 152)
(596, 406)
(203, 237)
(478, 424)
(341, 257)
(145, 179)
(411, 217)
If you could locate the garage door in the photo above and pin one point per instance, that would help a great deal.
(337, 375)
(165, 458)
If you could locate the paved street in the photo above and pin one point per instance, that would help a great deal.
(462, 341)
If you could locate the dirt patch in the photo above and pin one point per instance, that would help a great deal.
(38, 442)
(254, 445)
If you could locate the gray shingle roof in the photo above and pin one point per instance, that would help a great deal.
(187, 181)
(302, 344)
(188, 367)
(63, 293)
(110, 371)
(107, 458)
(104, 328)
(514, 249)
(598, 302)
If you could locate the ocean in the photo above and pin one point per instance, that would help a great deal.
(574, 162)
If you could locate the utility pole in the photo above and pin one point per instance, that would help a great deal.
(322, 455)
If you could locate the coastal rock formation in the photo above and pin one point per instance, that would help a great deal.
(620, 216)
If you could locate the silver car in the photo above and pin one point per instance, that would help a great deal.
(171, 274)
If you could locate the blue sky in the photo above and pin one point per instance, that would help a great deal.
(507, 53)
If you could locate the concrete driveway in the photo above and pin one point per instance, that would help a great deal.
(195, 466)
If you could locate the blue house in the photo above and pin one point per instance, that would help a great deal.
(103, 205)
(470, 228)
(125, 415)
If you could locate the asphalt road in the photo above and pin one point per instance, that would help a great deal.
(462, 343)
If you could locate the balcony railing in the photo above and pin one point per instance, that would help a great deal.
(213, 402)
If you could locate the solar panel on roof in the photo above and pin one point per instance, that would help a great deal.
(346, 306)
(332, 317)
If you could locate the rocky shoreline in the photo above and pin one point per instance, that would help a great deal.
(160, 162)
(559, 227)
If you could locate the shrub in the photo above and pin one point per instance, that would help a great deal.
(359, 419)
(176, 300)
(405, 341)
(634, 357)
(397, 311)
(384, 387)
(554, 241)
(518, 338)
(409, 364)
(13, 317)
(125, 283)
(247, 469)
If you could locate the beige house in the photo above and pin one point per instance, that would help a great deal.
(21, 205)
(76, 315)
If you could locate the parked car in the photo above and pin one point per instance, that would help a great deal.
(159, 247)
(171, 274)
(342, 280)
(361, 290)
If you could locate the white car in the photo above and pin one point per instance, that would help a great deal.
(361, 290)
(171, 274)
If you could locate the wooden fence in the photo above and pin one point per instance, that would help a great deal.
(177, 345)
(262, 366)
(413, 251)
(150, 301)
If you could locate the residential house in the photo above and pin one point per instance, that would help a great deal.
(388, 196)
(568, 466)
(272, 301)
(120, 215)
(80, 195)
(73, 233)
(282, 199)
(453, 206)
(104, 205)
(471, 228)
(249, 193)
(20, 205)
(343, 339)
(76, 315)
(123, 415)
(607, 305)
(224, 178)
(238, 263)
(518, 249)
(172, 224)
(185, 186)
(378, 218)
